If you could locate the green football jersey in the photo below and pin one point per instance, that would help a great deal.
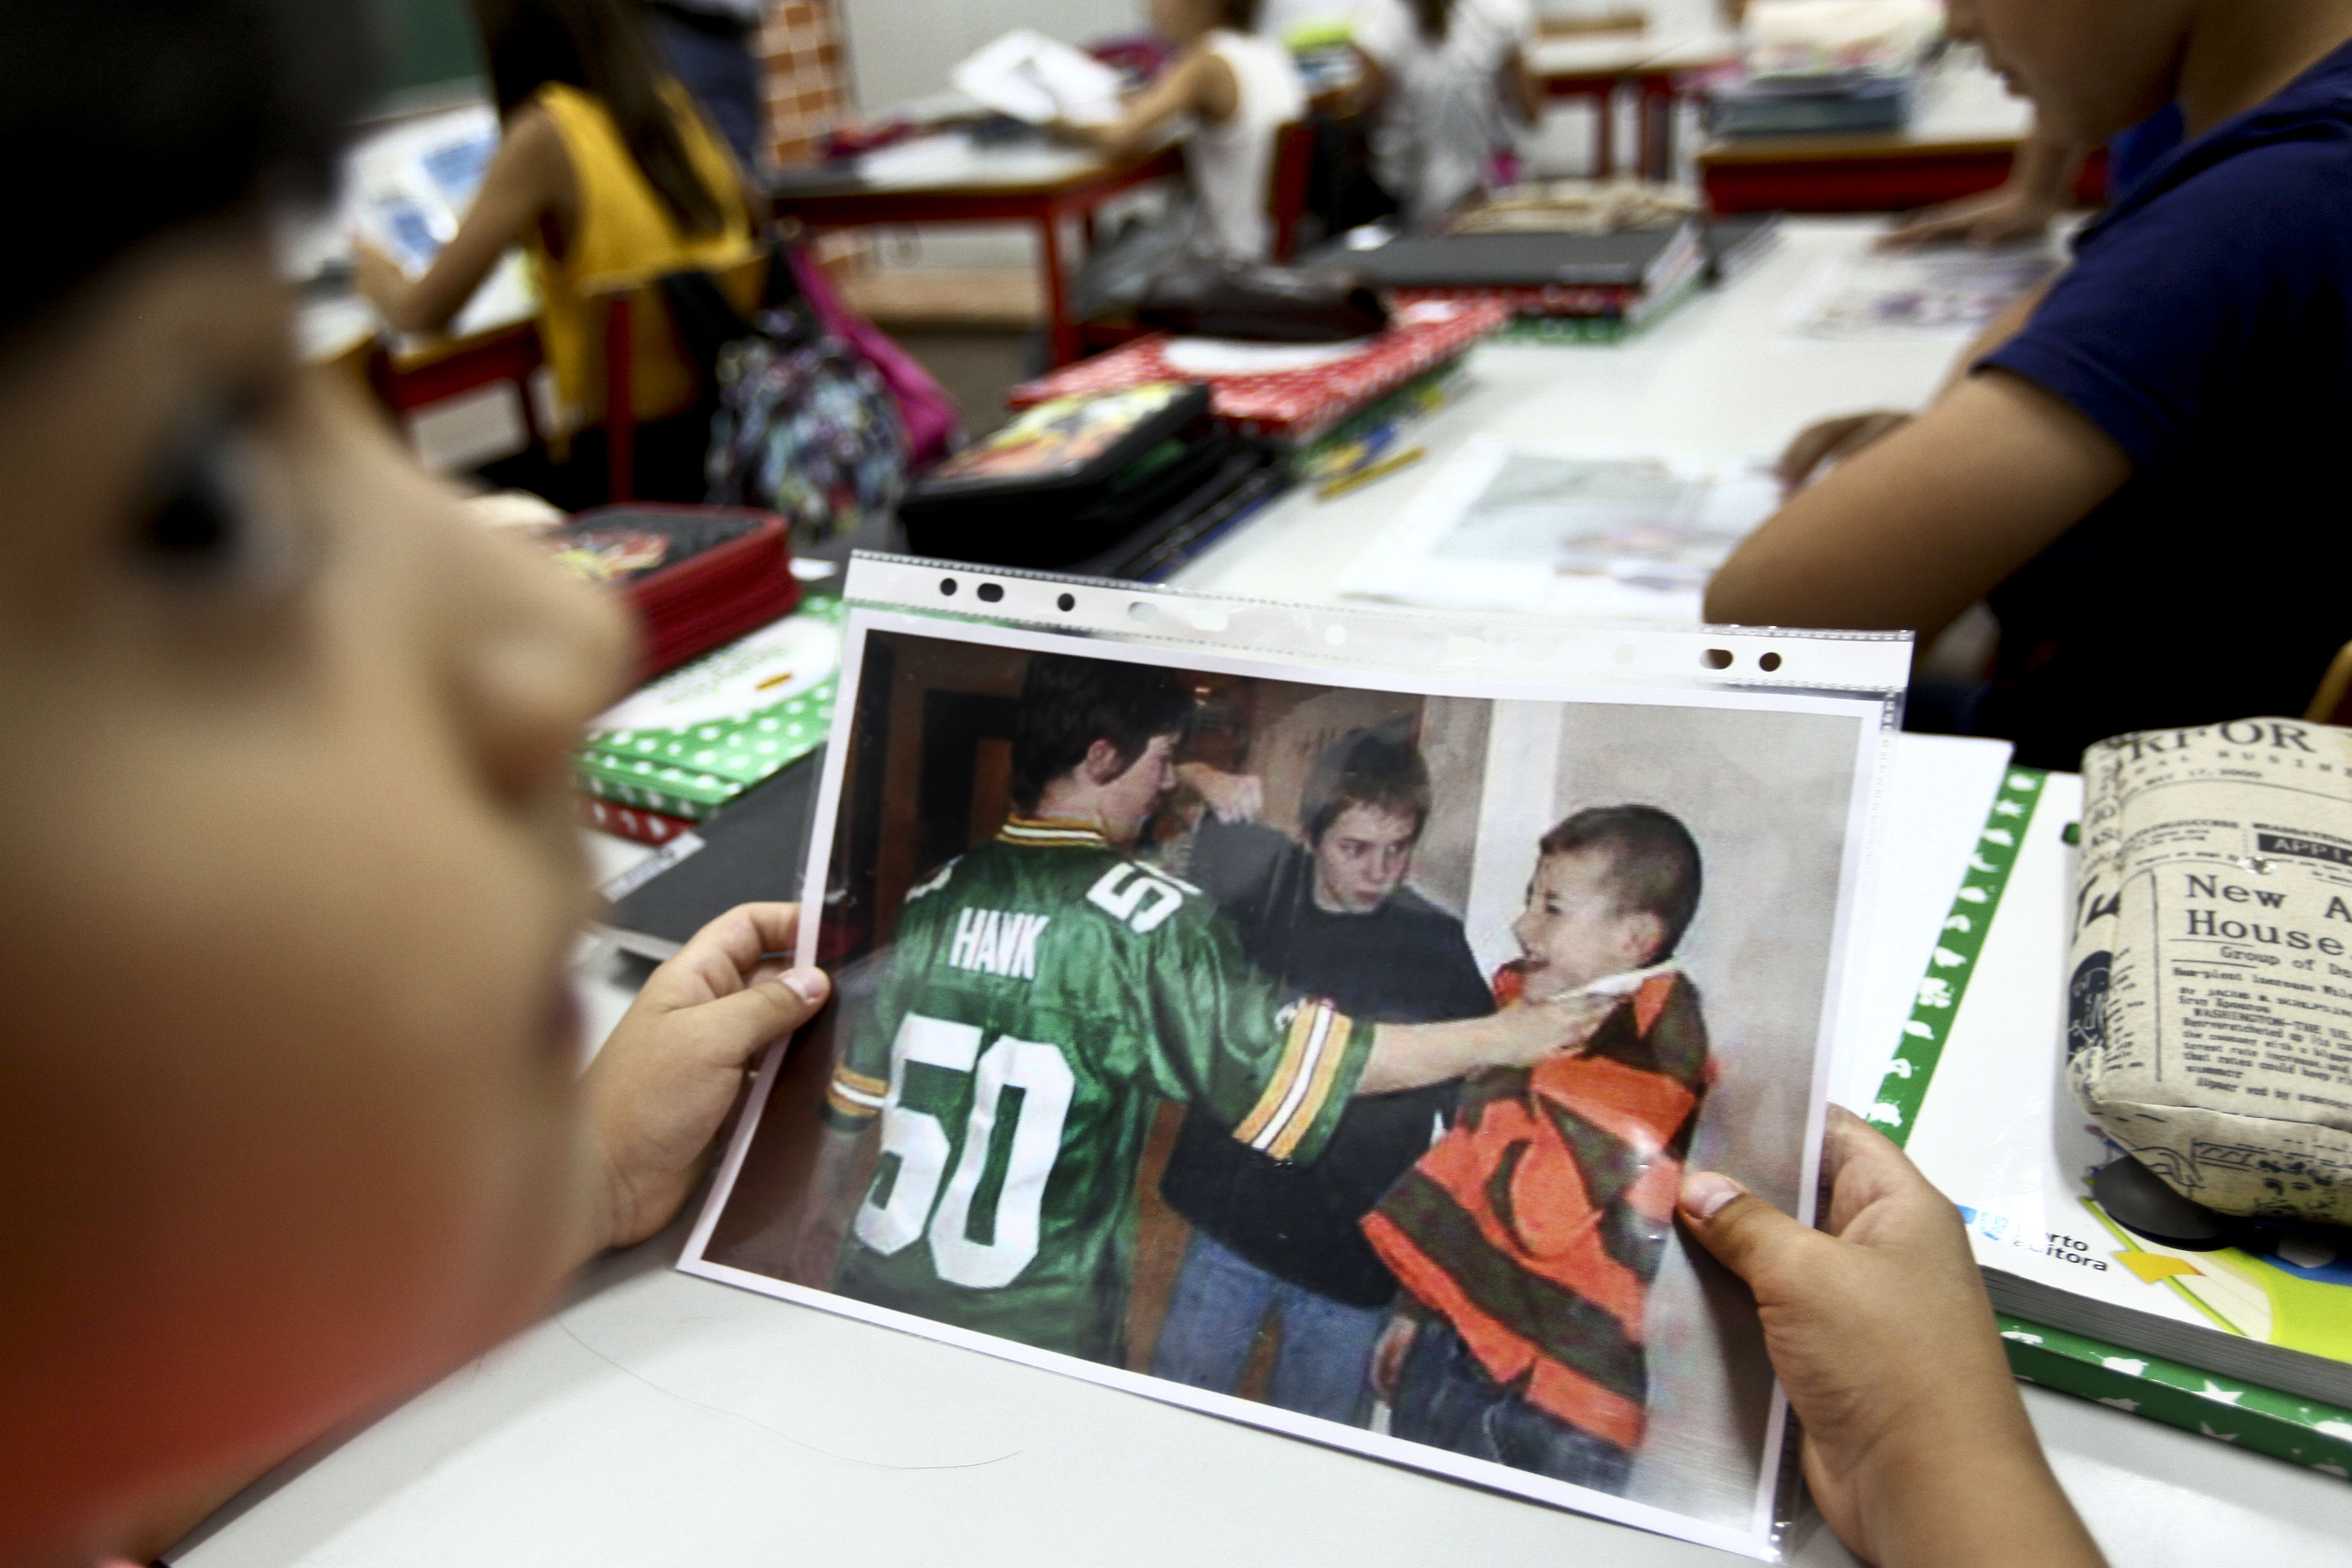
(1046, 992)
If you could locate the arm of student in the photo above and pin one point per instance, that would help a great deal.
(2021, 209)
(1838, 439)
(1198, 84)
(1522, 91)
(1923, 524)
(675, 1064)
(1407, 1056)
(825, 1212)
(1901, 1449)
(1234, 797)
(531, 177)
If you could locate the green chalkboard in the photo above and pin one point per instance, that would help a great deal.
(432, 42)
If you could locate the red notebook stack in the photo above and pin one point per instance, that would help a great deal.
(697, 576)
(1291, 405)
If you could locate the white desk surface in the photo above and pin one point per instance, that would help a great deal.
(1723, 374)
(660, 1419)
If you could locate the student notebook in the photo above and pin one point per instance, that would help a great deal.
(1975, 1093)
(1289, 393)
(1630, 258)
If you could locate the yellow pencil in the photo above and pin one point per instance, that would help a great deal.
(1379, 471)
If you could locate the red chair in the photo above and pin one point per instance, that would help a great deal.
(645, 374)
(1294, 162)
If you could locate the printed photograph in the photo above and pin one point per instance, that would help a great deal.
(1311, 1048)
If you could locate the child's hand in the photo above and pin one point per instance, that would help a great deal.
(1995, 218)
(378, 278)
(1234, 797)
(664, 1081)
(1828, 441)
(1535, 1030)
(1881, 1335)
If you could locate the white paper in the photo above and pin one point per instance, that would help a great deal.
(772, 664)
(1508, 756)
(1038, 80)
(1938, 293)
(1565, 531)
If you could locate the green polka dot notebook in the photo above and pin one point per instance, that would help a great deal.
(692, 770)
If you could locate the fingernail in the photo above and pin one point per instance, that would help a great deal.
(808, 984)
(1704, 1193)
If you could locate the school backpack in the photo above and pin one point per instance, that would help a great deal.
(802, 424)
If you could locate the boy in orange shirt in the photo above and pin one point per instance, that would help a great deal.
(1529, 1236)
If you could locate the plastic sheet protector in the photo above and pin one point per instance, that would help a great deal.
(1307, 1015)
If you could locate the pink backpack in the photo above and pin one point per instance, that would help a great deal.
(934, 425)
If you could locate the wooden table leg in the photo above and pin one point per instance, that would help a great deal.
(1061, 331)
(1667, 103)
(1604, 136)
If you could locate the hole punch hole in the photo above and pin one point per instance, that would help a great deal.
(947, 587)
(1626, 653)
(1717, 658)
(1140, 610)
(1769, 662)
(990, 593)
(1210, 620)
(1335, 633)
(1067, 603)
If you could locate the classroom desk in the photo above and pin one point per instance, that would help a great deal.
(1654, 66)
(658, 1419)
(1026, 183)
(1962, 141)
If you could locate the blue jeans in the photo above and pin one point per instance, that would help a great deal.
(1445, 1399)
(1324, 1364)
(724, 78)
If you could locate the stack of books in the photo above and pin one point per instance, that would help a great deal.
(1123, 483)
(694, 576)
(1597, 288)
(671, 755)
(2252, 1349)
(1290, 394)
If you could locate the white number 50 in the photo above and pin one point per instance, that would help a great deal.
(923, 1149)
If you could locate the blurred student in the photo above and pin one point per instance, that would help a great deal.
(291, 1115)
(711, 46)
(1451, 90)
(1228, 91)
(1330, 917)
(289, 1120)
(2133, 467)
(609, 176)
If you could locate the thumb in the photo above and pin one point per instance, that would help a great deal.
(733, 1029)
(1747, 1235)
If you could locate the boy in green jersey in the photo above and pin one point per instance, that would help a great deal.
(1045, 991)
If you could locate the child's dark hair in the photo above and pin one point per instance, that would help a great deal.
(139, 117)
(1239, 15)
(1432, 18)
(1377, 768)
(603, 47)
(1068, 703)
(1653, 862)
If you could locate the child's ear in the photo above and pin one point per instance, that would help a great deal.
(1101, 764)
(1644, 935)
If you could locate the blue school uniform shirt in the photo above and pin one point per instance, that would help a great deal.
(2202, 327)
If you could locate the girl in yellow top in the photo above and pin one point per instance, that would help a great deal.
(608, 174)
